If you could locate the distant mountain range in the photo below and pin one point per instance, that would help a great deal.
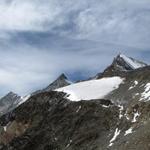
(109, 111)
(12, 100)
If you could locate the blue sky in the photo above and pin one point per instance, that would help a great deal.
(40, 39)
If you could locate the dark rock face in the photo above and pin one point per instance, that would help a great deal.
(129, 92)
(49, 121)
(53, 122)
(61, 81)
(120, 64)
(9, 102)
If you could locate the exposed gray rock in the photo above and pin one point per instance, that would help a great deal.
(120, 66)
(9, 102)
(61, 81)
(55, 123)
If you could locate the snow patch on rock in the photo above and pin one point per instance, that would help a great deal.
(136, 115)
(120, 111)
(145, 96)
(116, 134)
(5, 128)
(105, 106)
(133, 86)
(24, 99)
(129, 131)
(78, 109)
(126, 115)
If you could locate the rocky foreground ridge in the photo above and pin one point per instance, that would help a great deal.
(49, 120)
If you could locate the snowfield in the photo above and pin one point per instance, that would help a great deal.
(93, 89)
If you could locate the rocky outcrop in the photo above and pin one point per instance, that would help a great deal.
(61, 81)
(120, 65)
(9, 102)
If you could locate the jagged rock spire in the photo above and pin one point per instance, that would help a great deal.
(62, 76)
(61, 81)
(120, 65)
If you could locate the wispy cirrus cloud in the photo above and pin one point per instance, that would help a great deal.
(116, 21)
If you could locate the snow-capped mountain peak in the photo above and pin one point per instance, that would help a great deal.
(120, 65)
(62, 76)
(133, 63)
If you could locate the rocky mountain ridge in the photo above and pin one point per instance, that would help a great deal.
(120, 65)
(61, 81)
(9, 102)
(50, 120)
(12, 100)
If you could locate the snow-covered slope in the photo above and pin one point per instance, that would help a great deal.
(24, 99)
(133, 63)
(92, 89)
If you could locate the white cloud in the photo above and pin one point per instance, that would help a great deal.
(27, 15)
(120, 22)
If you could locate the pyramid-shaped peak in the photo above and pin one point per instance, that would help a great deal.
(10, 97)
(11, 94)
(62, 76)
(121, 55)
(61, 81)
(132, 63)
